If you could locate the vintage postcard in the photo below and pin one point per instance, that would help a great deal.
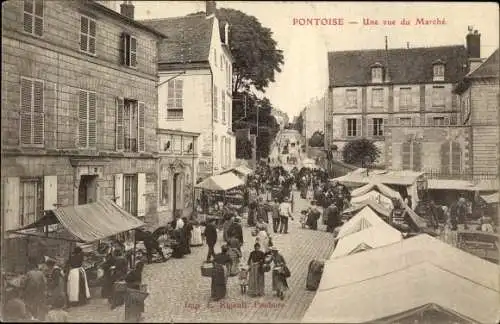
(250, 161)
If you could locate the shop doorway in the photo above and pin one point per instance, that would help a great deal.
(87, 191)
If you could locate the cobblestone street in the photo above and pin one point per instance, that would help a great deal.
(178, 293)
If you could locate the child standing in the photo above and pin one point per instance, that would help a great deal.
(243, 277)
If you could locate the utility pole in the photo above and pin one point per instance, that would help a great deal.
(305, 129)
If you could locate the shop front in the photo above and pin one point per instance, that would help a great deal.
(177, 170)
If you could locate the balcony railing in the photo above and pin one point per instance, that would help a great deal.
(437, 174)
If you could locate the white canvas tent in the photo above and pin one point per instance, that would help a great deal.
(362, 220)
(221, 182)
(372, 237)
(373, 196)
(380, 187)
(401, 277)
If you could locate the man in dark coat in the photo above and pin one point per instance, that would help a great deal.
(235, 230)
(332, 218)
(211, 238)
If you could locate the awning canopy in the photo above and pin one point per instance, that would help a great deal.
(380, 187)
(242, 170)
(413, 272)
(402, 178)
(380, 209)
(373, 196)
(372, 237)
(362, 220)
(89, 222)
(491, 199)
(221, 182)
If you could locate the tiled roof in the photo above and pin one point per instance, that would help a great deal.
(406, 66)
(490, 68)
(188, 39)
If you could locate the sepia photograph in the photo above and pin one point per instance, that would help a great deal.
(250, 162)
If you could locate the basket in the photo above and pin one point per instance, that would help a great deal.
(120, 286)
(136, 296)
(206, 269)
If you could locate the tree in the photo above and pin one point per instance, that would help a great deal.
(299, 125)
(317, 139)
(360, 151)
(243, 148)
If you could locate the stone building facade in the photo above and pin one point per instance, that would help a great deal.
(78, 103)
(195, 85)
(372, 91)
(479, 109)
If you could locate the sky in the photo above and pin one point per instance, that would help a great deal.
(304, 74)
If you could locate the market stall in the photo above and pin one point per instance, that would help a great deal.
(221, 188)
(84, 225)
(420, 274)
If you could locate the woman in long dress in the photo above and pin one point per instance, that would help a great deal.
(235, 255)
(256, 274)
(134, 307)
(78, 287)
(220, 272)
(280, 285)
(196, 239)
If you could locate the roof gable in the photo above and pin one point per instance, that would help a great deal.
(488, 69)
(189, 38)
(406, 66)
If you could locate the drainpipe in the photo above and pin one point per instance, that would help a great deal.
(212, 115)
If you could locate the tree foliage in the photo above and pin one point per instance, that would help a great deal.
(244, 148)
(299, 124)
(360, 151)
(317, 139)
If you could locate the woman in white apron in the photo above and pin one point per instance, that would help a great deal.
(77, 288)
(196, 237)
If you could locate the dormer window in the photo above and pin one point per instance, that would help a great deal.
(438, 71)
(377, 73)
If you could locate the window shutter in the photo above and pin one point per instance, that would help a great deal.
(92, 120)
(359, 131)
(370, 127)
(384, 123)
(123, 48)
(49, 192)
(28, 16)
(454, 119)
(447, 121)
(417, 156)
(26, 115)
(84, 31)
(415, 97)
(38, 17)
(456, 156)
(133, 51)
(38, 116)
(119, 123)
(119, 189)
(430, 121)
(344, 127)
(445, 158)
(11, 203)
(141, 194)
(92, 33)
(82, 118)
(406, 155)
(141, 127)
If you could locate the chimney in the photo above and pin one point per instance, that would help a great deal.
(127, 9)
(211, 7)
(473, 40)
(226, 34)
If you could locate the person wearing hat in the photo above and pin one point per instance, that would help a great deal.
(35, 290)
(55, 281)
(280, 273)
(235, 231)
(210, 234)
(285, 213)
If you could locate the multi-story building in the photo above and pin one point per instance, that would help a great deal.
(79, 109)
(195, 85)
(404, 89)
(313, 116)
(479, 102)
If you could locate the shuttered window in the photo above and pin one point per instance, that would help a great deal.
(377, 98)
(87, 117)
(175, 99)
(411, 152)
(438, 96)
(130, 194)
(129, 50)
(216, 101)
(223, 106)
(142, 125)
(119, 132)
(33, 17)
(406, 155)
(30, 201)
(32, 116)
(353, 127)
(451, 158)
(416, 155)
(405, 99)
(87, 34)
